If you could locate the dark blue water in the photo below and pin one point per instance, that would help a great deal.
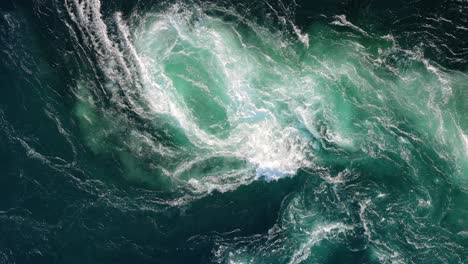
(233, 132)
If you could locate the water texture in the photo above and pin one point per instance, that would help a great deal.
(243, 132)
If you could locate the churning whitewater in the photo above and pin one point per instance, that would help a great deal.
(208, 132)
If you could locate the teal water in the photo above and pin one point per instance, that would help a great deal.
(214, 132)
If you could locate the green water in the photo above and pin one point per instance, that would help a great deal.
(194, 133)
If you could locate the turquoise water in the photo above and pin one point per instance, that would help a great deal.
(203, 132)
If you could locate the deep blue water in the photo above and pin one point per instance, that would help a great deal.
(233, 131)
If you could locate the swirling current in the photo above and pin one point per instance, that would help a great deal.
(261, 131)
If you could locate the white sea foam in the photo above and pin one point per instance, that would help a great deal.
(340, 20)
(257, 136)
(318, 234)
